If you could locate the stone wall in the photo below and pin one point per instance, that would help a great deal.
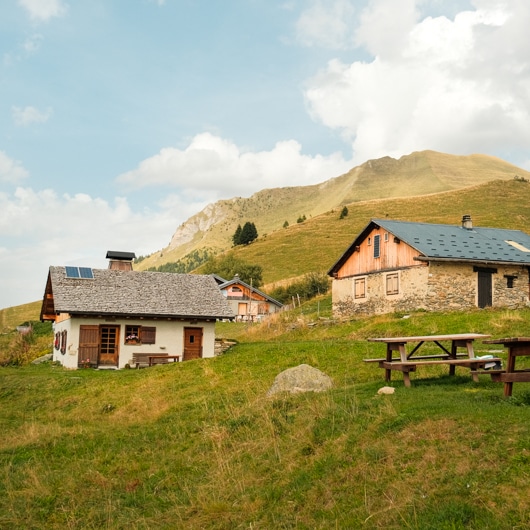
(438, 286)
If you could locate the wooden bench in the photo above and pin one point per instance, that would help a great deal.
(143, 360)
(410, 366)
(419, 357)
(162, 359)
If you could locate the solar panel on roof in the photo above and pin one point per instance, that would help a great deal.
(79, 272)
(72, 272)
(86, 272)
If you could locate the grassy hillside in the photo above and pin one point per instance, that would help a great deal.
(17, 348)
(12, 317)
(198, 445)
(318, 242)
(420, 173)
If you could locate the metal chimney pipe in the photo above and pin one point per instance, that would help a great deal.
(466, 222)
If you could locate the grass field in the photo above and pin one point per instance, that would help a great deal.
(199, 444)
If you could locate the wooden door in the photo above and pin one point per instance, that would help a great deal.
(192, 344)
(485, 298)
(108, 345)
(87, 353)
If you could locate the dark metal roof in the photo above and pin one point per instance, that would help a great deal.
(134, 293)
(118, 254)
(451, 242)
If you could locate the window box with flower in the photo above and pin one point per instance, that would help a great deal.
(132, 339)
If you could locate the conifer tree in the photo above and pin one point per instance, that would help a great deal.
(236, 238)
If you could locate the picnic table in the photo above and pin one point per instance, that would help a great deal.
(407, 362)
(517, 347)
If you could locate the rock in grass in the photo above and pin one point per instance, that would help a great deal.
(42, 359)
(386, 390)
(302, 378)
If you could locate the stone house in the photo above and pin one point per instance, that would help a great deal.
(110, 317)
(395, 266)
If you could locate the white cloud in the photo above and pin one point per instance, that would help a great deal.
(213, 163)
(43, 228)
(33, 43)
(43, 10)
(11, 171)
(457, 86)
(326, 24)
(28, 115)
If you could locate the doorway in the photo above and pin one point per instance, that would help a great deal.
(192, 344)
(484, 287)
(98, 345)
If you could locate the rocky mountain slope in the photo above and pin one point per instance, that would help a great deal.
(420, 173)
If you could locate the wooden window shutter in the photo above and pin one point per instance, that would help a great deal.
(360, 288)
(392, 284)
(148, 335)
(377, 247)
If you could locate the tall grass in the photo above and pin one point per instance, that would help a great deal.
(199, 445)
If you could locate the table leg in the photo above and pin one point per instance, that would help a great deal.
(388, 372)
(454, 350)
(471, 355)
(403, 357)
(510, 367)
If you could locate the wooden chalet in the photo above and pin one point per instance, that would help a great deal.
(247, 302)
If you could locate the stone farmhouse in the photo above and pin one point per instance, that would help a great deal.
(395, 266)
(111, 318)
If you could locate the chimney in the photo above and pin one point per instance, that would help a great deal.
(120, 261)
(466, 222)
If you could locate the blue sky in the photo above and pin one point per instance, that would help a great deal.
(120, 119)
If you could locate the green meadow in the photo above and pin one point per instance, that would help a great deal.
(199, 445)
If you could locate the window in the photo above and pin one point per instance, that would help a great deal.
(63, 341)
(386, 237)
(132, 335)
(108, 336)
(509, 281)
(140, 334)
(377, 247)
(359, 288)
(392, 283)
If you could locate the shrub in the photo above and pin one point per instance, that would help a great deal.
(311, 285)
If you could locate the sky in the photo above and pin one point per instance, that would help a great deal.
(120, 119)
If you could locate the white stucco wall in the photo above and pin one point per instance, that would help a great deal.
(169, 339)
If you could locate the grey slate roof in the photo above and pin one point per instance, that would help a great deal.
(148, 294)
(452, 242)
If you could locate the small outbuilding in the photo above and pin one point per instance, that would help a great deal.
(404, 266)
(112, 317)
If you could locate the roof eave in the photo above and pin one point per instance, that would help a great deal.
(146, 316)
(478, 261)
